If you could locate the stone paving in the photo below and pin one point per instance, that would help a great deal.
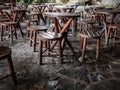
(102, 74)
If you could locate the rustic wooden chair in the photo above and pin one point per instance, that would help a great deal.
(12, 24)
(2, 19)
(112, 32)
(91, 34)
(59, 36)
(88, 13)
(5, 53)
(35, 12)
(34, 30)
(49, 37)
(29, 21)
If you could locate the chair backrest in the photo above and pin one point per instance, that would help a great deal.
(90, 30)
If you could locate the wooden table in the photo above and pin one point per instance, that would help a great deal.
(40, 9)
(17, 14)
(1, 12)
(4, 7)
(73, 5)
(104, 16)
(68, 17)
(67, 9)
(50, 6)
(10, 4)
(64, 9)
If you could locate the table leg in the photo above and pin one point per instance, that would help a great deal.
(74, 26)
(64, 34)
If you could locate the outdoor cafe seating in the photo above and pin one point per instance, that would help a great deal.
(53, 46)
(58, 36)
(14, 16)
(62, 19)
(19, 14)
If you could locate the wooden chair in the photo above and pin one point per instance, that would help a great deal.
(2, 19)
(5, 53)
(48, 37)
(112, 32)
(33, 30)
(86, 24)
(88, 13)
(40, 10)
(11, 28)
(59, 36)
(13, 24)
(91, 34)
(35, 12)
(30, 21)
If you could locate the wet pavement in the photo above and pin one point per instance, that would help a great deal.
(102, 74)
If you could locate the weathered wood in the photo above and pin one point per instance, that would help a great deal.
(5, 53)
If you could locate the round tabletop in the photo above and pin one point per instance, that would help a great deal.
(105, 11)
(61, 14)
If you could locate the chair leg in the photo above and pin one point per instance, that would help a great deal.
(12, 69)
(82, 40)
(81, 25)
(109, 30)
(97, 48)
(11, 35)
(111, 34)
(20, 30)
(31, 36)
(34, 40)
(48, 47)
(114, 34)
(40, 51)
(15, 32)
(83, 48)
(28, 33)
(60, 51)
(63, 44)
(1, 33)
(68, 43)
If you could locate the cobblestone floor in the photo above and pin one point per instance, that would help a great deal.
(103, 74)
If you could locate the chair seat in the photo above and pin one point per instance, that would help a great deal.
(4, 50)
(113, 26)
(49, 36)
(36, 28)
(87, 36)
(8, 23)
(90, 34)
(31, 20)
(33, 31)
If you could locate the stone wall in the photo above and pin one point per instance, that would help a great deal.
(105, 2)
(110, 2)
(69, 1)
(81, 2)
